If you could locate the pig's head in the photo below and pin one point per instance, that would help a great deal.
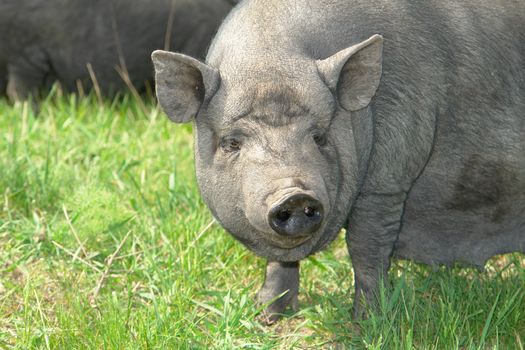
(279, 151)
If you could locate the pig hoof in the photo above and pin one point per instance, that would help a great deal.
(366, 303)
(268, 319)
(358, 312)
(274, 312)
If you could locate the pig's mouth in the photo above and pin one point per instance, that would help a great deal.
(288, 243)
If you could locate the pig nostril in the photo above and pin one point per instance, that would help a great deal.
(283, 215)
(309, 211)
(297, 215)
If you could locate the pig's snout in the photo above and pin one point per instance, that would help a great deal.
(296, 215)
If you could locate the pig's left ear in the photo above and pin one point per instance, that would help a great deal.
(353, 74)
(182, 84)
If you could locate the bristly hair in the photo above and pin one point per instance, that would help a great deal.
(277, 104)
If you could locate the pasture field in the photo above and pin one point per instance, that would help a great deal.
(106, 244)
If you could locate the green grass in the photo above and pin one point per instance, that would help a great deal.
(105, 243)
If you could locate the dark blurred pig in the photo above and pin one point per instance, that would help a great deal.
(78, 42)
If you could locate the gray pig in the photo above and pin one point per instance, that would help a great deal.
(42, 41)
(401, 121)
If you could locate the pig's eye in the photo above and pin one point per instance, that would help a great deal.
(320, 139)
(230, 144)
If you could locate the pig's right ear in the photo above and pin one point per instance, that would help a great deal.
(182, 84)
(353, 74)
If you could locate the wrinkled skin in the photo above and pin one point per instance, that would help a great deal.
(42, 41)
(412, 140)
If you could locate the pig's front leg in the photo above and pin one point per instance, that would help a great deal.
(373, 230)
(281, 277)
(27, 74)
